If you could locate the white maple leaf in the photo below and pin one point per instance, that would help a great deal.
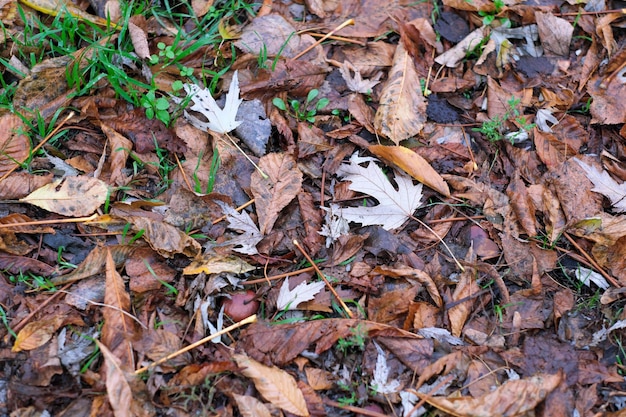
(219, 120)
(604, 184)
(381, 382)
(291, 298)
(395, 206)
(242, 222)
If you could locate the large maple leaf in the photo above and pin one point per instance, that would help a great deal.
(395, 205)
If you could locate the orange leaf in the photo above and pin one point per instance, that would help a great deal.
(413, 164)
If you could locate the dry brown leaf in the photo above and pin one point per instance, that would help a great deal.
(164, 238)
(272, 194)
(555, 33)
(514, 398)
(71, 196)
(95, 262)
(120, 148)
(118, 389)
(274, 384)
(522, 205)
(21, 184)
(14, 144)
(251, 407)
(413, 164)
(37, 333)
(413, 274)
(402, 110)
(312, 221)
(463, 294)
(216, 264)
(119, 327)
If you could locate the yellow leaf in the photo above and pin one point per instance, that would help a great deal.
(71, 196)
(413, 164)
(215, 264)
(54, 7)
(275, 385)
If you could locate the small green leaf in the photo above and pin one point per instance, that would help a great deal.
(322, 102)
(177, 85)
(162, 104)
(150, 113)
(312, 94)
(279, 103)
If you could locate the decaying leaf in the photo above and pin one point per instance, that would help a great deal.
(164, 238)
(246, 242)
(395, 206)
(272, 194)
(290, 299)
(95, 262)
(355, 82)
(402, 110)
(71, 196)
(118, 388)
(275, 385)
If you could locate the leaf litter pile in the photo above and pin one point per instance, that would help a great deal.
(330, 208)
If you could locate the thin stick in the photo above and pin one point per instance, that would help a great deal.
(330, 287)
(243, 322)
(456, 261)
(592, 262)
(41, 222)
(323, 38)
(276, 277)
(263, 174)
(182, 172)
(36, 148)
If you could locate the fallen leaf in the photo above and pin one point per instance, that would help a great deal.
(118, 389)
(95, 262)
(251, 407)
(555, 33)
(355, 82)
(71, 196)
(605, 185)
(513, 398)
(241, 222)
(275, 385)
(139, 39)
(413, 164)
(219, 120)
(289, 299)
(402, 110)
(119, 327)
(37, 333)
(395, 206)
(14, 144)
(215, 264)
(164, 238)
(272, 194)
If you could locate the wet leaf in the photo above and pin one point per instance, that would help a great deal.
(402, 110)
(71, 196)
(275, 385)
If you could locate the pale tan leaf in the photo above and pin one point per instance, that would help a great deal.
(95, 262)
(118, 388)
(274, 384)
(272, 194)
(513, 398)
(216, 264)
(14, 144)
(139, 38)
(35, 334)
(164, 238)
(606, 185)
(555, 33)
(395, 207)
(71, 196)
(402, 110)
(119, 327)
(251, 407)
(413, 164)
